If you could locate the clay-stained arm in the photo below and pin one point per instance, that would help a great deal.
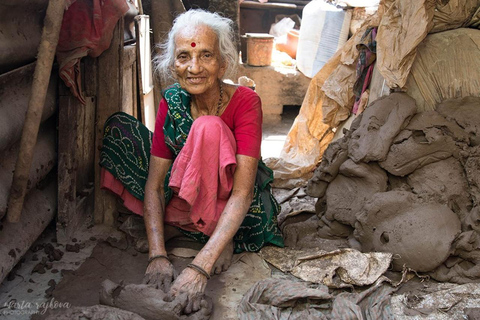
(159, 271)
(191, 282)
(154, 204)
(233, 214)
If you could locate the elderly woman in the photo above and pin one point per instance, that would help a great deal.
(205, 179)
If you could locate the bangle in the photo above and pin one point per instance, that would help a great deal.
(199, 269)
(156, 257)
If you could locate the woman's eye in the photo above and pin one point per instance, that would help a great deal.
(207, 55)
(182, 57)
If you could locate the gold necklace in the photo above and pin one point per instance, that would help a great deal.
(220, 100)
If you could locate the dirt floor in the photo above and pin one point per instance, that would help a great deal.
(52, 276)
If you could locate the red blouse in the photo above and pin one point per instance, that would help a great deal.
(243, 116)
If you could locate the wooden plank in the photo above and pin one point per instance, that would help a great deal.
(79, 128)
(89, 142)
(129, 55)
(135, 90)
(129, 80)
(67, 170)
(268, 5)
(144, 66)
(109, 95)
(90, 76)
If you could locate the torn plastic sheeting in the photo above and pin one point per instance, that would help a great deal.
(448, 302)
(446, 67)
(274, 299)
(318, 266)
(404, 26)
(319, 114)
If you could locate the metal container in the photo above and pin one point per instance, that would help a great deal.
(259, 49)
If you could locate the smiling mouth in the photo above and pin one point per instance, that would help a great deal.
(196, 80)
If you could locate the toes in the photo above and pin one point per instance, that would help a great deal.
(226, 265)
(196, 304)
(166, 284)
(189, 308)
(146, 279)
(218, 269)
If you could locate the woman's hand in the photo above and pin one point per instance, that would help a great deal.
(192, 284)
(160, 272)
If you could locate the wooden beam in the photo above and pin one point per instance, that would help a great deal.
(75, 163)
(67, 164)
(109, 101)
(269, 5)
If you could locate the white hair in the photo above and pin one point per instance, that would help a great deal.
(223, 28)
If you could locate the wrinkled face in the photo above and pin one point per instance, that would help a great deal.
(198, 62)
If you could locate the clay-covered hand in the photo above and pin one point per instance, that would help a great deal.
(160, 272)
(192, 284)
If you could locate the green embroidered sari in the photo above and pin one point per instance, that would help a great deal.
(124, 135)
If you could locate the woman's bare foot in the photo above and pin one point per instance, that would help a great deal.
(225, 259)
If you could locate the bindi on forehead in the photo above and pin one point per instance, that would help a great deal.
(196, 37)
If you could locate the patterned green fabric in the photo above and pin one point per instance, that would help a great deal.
(260, 224)
(126, 152)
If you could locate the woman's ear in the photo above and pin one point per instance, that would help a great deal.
(223, 69)
(174, 72)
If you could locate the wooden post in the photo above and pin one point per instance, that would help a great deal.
(109, 101)
(69, 107)
(46, 54)
(163, 14)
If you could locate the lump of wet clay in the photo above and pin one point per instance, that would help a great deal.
(379, 125)
(149, 302)
(420, 143)
(472, 169)
(419, 234)
(444, 182)
(332, 159)
(355, 184)
(466, 113)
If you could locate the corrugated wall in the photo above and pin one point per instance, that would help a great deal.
(21, 24)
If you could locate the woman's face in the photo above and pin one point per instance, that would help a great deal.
(198, 62)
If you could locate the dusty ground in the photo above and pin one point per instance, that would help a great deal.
(29, 289)
(48, 279)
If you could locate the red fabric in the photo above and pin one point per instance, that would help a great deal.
(87, 29)
(202, 176)
(109, 182)
(243, 116)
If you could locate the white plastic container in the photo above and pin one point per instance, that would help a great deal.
(324, 30)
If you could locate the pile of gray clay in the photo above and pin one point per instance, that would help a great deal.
(134, 302)
(407, 183)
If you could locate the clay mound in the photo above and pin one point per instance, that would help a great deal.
(427, 138)
(355, 184)
(410, 185)
(380, 123)
(446, 183)
(465, 113)
(419, 234)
